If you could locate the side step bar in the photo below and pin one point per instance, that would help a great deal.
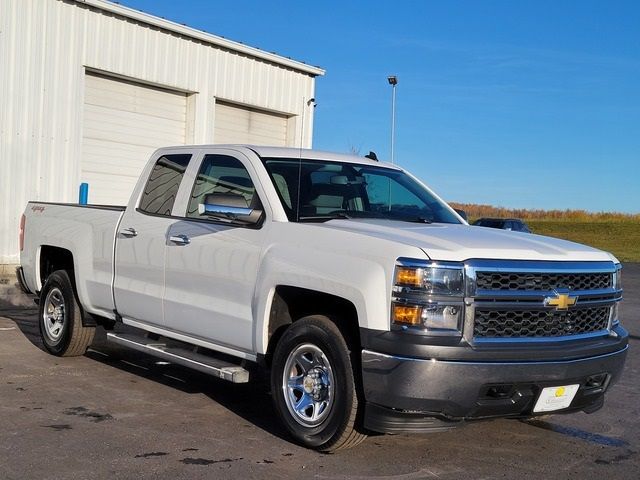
(203, 363)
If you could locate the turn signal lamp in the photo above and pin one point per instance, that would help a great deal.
(409, 276)
(407, 314)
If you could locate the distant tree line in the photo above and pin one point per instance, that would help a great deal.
(475, 210)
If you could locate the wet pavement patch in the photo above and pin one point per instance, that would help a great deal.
(59, 428)
(151, 454)
(206, 461)
(85, 412)
(618, 458)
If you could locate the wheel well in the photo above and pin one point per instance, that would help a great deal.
(292, 303)
(55, 258)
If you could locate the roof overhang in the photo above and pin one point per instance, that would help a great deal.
(202, 36)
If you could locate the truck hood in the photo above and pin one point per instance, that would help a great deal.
(457, 243)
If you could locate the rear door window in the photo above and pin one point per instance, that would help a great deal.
(160, 192)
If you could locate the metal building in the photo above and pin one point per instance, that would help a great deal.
(88, 89)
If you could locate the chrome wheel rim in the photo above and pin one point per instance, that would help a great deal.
(53, 314)
(308, 385)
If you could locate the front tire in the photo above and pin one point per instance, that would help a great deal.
(313, 386)
(60, 318)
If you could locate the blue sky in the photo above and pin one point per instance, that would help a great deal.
(531, 104)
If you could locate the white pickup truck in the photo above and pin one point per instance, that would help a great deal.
(374, 305)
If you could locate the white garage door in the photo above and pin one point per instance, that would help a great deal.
(124, 122)
(239, 124)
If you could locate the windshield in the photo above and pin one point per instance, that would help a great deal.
(318, 190)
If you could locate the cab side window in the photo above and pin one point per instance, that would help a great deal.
(160, 192)
(221, 174)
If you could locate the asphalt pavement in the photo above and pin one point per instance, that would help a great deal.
(116, 413)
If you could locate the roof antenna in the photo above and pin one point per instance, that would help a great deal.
(372, 155)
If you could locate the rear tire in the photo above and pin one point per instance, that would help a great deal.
(60, 318)
(314, 388)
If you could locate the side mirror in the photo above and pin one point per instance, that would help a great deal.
(229, 205)
(462, 213)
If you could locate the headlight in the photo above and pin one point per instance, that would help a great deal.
(614, 315)
(617, 277)
(617, 285)
(434, 280)
(434, 316)
(428, 297)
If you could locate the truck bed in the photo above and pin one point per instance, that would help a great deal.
(119, 208)
(86, 230)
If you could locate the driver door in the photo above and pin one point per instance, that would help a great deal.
(211, 264)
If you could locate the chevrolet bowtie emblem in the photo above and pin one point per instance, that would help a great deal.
(561, 301)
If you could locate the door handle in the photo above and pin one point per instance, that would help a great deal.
(129, 232)
(180, 239)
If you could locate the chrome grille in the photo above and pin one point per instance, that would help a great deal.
(520, 281)
(539, 323)
(513, 300)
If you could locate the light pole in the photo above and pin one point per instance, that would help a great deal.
(393, 81)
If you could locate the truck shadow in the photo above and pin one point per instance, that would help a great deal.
(25, 319)
(251, 401)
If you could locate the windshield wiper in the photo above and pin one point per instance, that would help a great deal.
(347, 216)
(417, 220)
(321, 218)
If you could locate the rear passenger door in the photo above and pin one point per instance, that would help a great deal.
(141, 241)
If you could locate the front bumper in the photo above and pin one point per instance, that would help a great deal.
(406, 394)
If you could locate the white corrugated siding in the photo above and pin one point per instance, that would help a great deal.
(240, 124)
(124, 122)
(46, 48)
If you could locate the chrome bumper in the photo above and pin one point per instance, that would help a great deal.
(411, 395)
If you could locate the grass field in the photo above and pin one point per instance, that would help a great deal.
(622, 238)
(615, 232)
